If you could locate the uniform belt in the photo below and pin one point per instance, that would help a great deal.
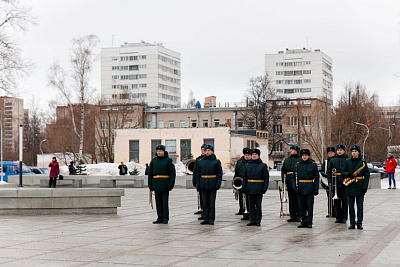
(161, 176)
(255, 181)
(209, 176)
(289, 173)
(337, 173)
(359, 177)
(306, 181)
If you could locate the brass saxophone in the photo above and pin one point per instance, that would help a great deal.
(348, 181)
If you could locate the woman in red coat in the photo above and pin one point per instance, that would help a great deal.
(54, 171)
(390, 169)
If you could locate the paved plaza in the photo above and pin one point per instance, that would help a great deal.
(130, 239)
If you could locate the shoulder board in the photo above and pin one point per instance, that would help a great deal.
(313, 161)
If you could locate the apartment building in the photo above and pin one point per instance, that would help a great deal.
(301, 73)
(141, 73)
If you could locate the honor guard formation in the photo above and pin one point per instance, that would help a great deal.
(344, 178)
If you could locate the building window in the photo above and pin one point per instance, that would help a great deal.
(134, 151)
(117, 124)
(103, 141)
(304, 139)
(216, 123)
(293, 138)
(307, 81)
(160, 124)
(240, 123)
(209, 141)
(205, 123)
(193, 123)
(171, 124)
(170, 146)
(182, 124)
(186, 149)
(154, 144)
(278, 147)
(278, 128)
(252, 124)
(292, 121)
(307, 121)
(251, 144)
(104, 125)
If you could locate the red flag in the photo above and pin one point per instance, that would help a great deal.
(368, 123)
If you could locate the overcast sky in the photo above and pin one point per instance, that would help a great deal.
(222, 43)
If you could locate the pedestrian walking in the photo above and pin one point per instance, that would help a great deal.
(390, 170)
(54, 172)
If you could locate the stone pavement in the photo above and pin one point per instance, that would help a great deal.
(130, 238)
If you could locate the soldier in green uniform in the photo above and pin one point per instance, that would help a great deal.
(306, 183)
(239, 170)
(356, 169)
(255, 185)
(337, 163)
(209, 179)
(194, 179)
(329, 191)
(161, 180)
(287, 169)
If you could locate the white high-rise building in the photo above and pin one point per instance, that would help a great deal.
(141, 72)
(301, 73)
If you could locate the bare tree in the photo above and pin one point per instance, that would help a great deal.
(82, 59)
(14, 19)
(33, 133)
(263, 111)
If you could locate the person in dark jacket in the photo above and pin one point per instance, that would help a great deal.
(161, 180)
(306, 183)
(71, 168)
(54, 172)
(239, 171)
(255, 185)
(337, 163)
(208, 181)
(146, 170)
(288, 169)
(356, 168)
(123, 170)
(194, 181)
(325, 184)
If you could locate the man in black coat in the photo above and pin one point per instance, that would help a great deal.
(255, 185)
(123, 170)
(194, 180)
(306, 183)
(209, 179)
(239, 172)
(288, 169)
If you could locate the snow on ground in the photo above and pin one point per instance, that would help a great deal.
(111, 169)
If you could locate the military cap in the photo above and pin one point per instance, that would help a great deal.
(355, 147)
(160, 147)
(203, 145)
(340, 146)
(256, 150)
(209, 147)
(305, 151)
(330, 149)
(246, 150)
(295, 147)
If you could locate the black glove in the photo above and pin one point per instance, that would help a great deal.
(351, 175)
(297, 191)
(151, 188)
(364, 191)
(264, 192)
(316, 193)
(170, 188)
(218, 188)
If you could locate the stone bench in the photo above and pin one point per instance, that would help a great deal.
(112, 183)
(76, 183)
(54, 201)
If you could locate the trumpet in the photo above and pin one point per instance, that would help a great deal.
(237, 184)
(334, 177)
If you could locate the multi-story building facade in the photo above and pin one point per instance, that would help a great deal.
(301, 73)
(14, 115)
(141, 73)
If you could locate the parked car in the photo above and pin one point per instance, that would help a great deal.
(39, 170)
(377, 168)
(12, 168)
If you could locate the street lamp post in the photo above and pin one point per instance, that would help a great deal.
(390, 132)
(40, 146)
(365, 137)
